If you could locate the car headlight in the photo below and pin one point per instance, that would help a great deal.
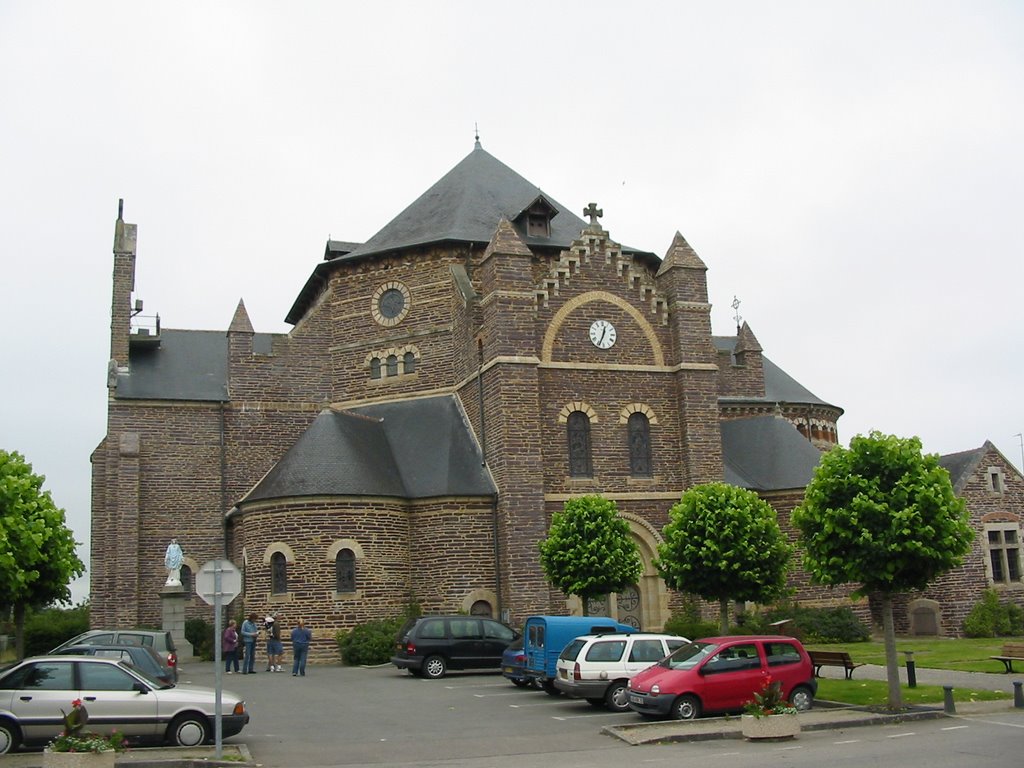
(655, 689)
(239, 708)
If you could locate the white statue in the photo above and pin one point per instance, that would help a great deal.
(172, 561)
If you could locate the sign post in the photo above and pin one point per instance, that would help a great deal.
(217, 583)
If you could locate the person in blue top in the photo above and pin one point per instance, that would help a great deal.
(301, 638)
(250, 631)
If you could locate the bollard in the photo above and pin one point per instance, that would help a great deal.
(911, 670)
(947, 695)
(1018, 694)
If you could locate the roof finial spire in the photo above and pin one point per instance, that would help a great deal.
(736, 309)
(476, 136)
(120, 208)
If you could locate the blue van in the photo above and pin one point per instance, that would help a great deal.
(544, 637)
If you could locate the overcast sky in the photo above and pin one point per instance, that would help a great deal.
(853, 172)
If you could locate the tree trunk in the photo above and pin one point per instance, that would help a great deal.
(19, 629)
(892, 668)
(723, 615)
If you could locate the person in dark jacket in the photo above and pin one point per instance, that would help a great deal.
(301, 638)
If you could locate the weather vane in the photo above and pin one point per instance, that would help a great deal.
(736, 309)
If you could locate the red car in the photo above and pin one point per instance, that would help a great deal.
(721, 674)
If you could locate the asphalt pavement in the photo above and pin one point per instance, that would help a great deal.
(823, 716)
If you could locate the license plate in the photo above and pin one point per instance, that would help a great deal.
(508, 670)
(636, 700)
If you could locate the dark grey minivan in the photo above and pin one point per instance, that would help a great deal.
(428, 646)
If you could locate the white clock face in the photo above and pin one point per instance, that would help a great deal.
(602, 334)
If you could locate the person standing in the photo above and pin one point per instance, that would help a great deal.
(301, 638)
(250, 631)
(229, 645)
(275, 648)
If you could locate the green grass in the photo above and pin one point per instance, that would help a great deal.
(875, 693)
(961, 655)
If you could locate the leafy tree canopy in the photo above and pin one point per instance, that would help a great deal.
(724, 543)
(883, 515)
(37, 550)
(589, 551)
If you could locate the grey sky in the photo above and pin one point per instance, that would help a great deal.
(852, 171)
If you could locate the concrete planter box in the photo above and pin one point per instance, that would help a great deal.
(770, 727)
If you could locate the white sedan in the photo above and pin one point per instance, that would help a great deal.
(117, 697)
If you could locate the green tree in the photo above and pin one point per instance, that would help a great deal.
(724, 543)
(883, 515)
(589, 551)
(37, 550)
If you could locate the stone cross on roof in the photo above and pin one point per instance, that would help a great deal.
(593, 212)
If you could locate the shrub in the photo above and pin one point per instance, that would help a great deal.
(48, 628)
(370, 643)
(815, 625)
(991, 618)
(200, 632)
(687, 621)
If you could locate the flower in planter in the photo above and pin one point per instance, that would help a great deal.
(769, 701)
(75, 739)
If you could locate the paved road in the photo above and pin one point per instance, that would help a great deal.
(354, 717)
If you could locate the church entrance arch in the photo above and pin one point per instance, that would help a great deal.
(643, 605)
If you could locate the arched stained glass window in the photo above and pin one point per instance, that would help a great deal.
(392, 365)
(345, 571)
(278, 574)
(375, 368)
(409, 363)
(578, 428)
(639, 445)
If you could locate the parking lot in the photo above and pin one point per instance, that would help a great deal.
(349, 716)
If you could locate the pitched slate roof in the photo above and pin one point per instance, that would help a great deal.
(412, 449)
(465, 205)
(767, 453)
(779, 386)
(185, 365)
(962, 465)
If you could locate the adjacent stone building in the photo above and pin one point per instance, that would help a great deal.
(445, 387)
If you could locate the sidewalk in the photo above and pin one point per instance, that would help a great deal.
(828, 716)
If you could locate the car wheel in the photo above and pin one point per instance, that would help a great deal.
(10, 736)
(548, 686)
(433, 667)
(686, 707)
(616, 698)
(801, 698)
(189, 730)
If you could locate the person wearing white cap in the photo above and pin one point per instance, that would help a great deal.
(275, 648)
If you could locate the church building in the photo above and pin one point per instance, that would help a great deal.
(446, 386)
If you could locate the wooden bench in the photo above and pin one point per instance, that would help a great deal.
(1011, 652)
(832, 659)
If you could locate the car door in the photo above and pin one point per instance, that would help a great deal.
(111, 696)
(643, 653)
(496, 639)
(39, 691)
(467, 642)
(731, 676)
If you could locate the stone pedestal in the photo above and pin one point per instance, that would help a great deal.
(173, 603)
(103, 759)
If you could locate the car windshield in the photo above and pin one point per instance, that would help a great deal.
(688, 656)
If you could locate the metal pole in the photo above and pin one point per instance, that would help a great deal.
(911, 670)
(218, 727)
(1018, 695)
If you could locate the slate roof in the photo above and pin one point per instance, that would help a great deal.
(779, 386)
(962, 465)
(185, 365)
(465, 205)
(413, 449)
(767, 453)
